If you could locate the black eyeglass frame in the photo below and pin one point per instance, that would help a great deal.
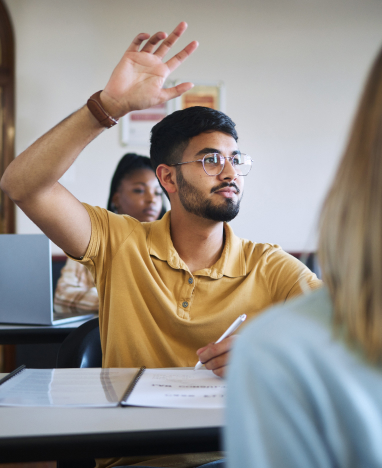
(230, 158)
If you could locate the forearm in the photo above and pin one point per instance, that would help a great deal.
(31, 180)
(36, 171)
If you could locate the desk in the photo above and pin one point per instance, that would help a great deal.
(36, 334)
(41, 434)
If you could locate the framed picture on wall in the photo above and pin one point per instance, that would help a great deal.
(135, 127)
(206, 94)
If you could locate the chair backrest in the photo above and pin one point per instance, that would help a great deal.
(82, 347)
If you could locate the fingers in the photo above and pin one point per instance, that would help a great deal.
(135, 45)
(171, 93)
(153, 41)
(215, 356)
(220, 372)
(218, 364)
(170, 41)
(138, 78)
(214, 349)
(180, 57)
(166, 45)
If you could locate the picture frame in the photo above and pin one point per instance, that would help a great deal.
(135, 127)
(204, 93)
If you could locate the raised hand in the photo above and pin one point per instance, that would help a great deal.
(137, 81)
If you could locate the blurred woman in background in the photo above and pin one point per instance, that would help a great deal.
(305, 381)
(134, 191)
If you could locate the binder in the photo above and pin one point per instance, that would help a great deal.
(12, 374)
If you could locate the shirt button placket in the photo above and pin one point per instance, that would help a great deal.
(185, 304)
(190, 282)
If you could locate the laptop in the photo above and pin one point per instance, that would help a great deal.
(26, 295)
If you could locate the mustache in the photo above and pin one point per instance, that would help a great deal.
(224, 185)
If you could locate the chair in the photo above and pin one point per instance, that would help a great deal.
(82, 347)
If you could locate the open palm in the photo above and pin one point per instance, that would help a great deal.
(137, 81)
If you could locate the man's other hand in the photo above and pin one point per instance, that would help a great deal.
(215, 356)
(138, 79)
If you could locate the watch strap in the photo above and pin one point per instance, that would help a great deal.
(95, 106)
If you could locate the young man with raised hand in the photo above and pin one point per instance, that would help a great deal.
(170, 287)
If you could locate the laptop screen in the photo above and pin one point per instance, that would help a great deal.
(26, 281)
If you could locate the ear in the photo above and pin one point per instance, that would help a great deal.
(115, 200)
(167, 177)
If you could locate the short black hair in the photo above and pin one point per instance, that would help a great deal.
(170, 136)
(129, 163)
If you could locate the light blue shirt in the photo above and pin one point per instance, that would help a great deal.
(298, 396)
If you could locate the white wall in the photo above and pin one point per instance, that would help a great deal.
(293, 71)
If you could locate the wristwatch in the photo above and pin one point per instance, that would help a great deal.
(95, 106)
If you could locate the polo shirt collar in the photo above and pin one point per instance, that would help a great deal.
(231, 263)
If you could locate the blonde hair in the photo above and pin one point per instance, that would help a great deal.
(350, 243)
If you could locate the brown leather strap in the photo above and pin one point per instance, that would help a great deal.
(95, 106)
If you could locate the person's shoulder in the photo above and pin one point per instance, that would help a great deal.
(258, 249)
(108, 218)
(109, 215)
(286, 340)
(264, 252)
(268, 255)
(254, 248)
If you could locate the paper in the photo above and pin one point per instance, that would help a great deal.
(163, 388)
(66, 387)
(87, 387)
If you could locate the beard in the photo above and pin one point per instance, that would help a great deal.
(194, 201)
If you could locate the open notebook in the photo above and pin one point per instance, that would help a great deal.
(92, 387)
(26, 282)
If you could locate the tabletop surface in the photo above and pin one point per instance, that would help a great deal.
(32, 421)
(37, 434)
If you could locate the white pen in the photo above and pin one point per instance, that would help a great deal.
(236, 324)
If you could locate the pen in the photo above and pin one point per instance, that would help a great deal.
(236, 324)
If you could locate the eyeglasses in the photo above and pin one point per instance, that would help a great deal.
(213, 163)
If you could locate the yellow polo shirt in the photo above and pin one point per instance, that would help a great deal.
(154, 312)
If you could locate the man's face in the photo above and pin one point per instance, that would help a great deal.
(212, 197)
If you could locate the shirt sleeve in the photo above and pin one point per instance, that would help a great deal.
(109, 231)
(286, 276)
(75, 291)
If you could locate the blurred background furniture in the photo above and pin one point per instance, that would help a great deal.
(82, 347)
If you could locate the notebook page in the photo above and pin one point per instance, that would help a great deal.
(89, 387)
(167, 388)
